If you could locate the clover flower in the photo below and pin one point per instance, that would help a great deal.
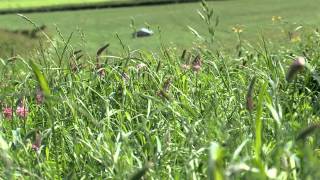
(7, 112)
(22, 111)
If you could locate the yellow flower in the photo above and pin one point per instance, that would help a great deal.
(276, 18)
(237, 29)
(295, 39)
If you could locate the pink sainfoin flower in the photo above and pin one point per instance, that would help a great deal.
(22, 111)
(35, 147)
(7, 112)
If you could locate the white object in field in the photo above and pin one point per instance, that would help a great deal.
(143, 32)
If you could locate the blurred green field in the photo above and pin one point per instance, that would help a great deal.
(101, 26)
(9, 4)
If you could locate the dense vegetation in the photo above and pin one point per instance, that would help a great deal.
(168, 114)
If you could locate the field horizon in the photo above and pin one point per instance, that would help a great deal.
(177, 18)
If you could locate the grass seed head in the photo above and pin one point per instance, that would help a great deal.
(196, 64)
(185, 66)
(297, 66)
(183, 56)
(141, 172)
(166, 85)
(125, 76)
(140, 66)
(77, 52)
(103, 48)
(39, 96)
(308, 131)
(37, 142)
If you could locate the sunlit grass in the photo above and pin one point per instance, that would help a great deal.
(165, 114)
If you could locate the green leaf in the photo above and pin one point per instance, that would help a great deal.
(258, 123)
(215, 170)
(41, 79)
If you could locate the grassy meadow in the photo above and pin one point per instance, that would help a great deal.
(239, 100)
(15, 4)
(101, 26)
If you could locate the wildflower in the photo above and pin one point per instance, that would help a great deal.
(22, 111)
(196, 64)
(39, 96)
(276, 18)
(295, 38)
(295, 67)
(185, 66)
(141, 66)
(7, 112)
(237, 29)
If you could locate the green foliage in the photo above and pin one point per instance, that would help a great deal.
(162, 115)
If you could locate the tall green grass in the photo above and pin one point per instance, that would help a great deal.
(162, 115)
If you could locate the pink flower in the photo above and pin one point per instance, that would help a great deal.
(22, 111)
(7, 112)
(35, 147)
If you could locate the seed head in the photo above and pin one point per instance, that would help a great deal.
(141, 66)
(196, 64)
(166, 85)
(297, 66)
(125, 76)
(185, 66)
(37, 142)
(39, 96)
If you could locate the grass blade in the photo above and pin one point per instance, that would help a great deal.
(41, 79)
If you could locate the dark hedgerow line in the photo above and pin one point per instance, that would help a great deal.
(98, 5)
